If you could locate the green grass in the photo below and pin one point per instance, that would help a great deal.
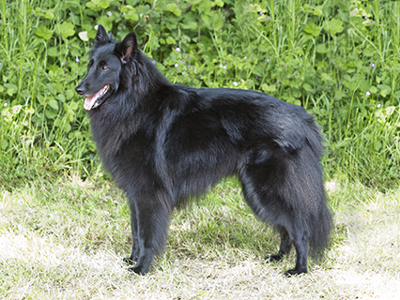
(336, 58)
(66, 240)
(41, 130)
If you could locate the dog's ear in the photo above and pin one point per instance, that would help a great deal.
(126, 48)
(101, 36)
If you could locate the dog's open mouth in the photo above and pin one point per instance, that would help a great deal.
(95, 100)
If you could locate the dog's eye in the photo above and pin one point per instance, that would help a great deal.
(105, 68)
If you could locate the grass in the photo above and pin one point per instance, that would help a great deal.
(65, 241)
(290, 49)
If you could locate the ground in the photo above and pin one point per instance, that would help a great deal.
(70, 245)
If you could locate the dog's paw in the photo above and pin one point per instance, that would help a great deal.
(273, 258)
(295, 272)
(138, 270)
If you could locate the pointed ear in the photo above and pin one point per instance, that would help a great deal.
(101, 36)
(125, 48)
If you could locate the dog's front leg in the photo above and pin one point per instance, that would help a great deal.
(135, 241)
(150, 222)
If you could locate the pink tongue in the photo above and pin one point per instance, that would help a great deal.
(90, 101)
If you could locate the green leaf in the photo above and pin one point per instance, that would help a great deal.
(385, 90)
(65, 29)
(61, 97)
(58, 122)
(4, 144)
(172, 7)
(49, 14)
(170, 40)
(373, 90)
(333, 26)
(190, 25)
(67, 127)
(53, 104)
(308, 88)
(132, 2)
(321, 48)
(204, 6)
(11, 88)
(220, 3)
(73, 106)
(316, 11)
(98, 4)
(43, 32)
(50, 114)
(69, 94)
(52, 51)
(364, 86)
(339, 95)
(131, 15)
(268, 88)
(106, 22)
(368, 52)
(207, 21)
(312, 29)
(75, 134)
(326, 77)
(384, 87)
(51, 87)
(218, 21)
(351, 85)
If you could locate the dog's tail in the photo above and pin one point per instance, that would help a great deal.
(320, 228)
(320, 222)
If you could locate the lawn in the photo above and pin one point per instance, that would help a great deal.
(66, 240)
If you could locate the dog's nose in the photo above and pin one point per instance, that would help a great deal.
(80, 90)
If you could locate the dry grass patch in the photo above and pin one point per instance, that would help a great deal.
(66, 242)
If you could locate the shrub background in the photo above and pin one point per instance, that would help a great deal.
(338, 59)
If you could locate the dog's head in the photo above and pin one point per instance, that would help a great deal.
(107, 58)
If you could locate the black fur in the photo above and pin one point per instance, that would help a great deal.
(164, 143)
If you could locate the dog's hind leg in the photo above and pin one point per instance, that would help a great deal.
(269, 191)
(301, 246)
(152, 214)
(285, 247)
(300, 242)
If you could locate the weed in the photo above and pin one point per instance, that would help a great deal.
(338, 59)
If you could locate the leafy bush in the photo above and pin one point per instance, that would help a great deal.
(337, 58)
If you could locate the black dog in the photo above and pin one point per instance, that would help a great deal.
(164, 143)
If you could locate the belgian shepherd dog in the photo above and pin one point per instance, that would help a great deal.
(164, 143)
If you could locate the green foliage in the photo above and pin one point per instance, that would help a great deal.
(337, 58)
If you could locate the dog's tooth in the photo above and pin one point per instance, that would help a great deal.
(103, 90)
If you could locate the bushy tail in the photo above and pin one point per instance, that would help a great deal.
(321, 221)
(321, 227)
